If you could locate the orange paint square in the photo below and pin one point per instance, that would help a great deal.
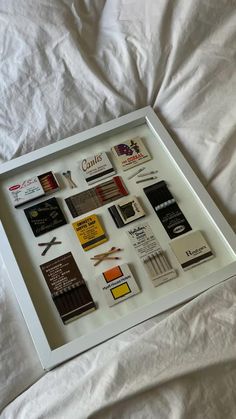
(113, 274)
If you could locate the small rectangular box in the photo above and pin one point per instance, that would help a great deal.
(33, 188)
(118, 284)
(131, 153)
(89, 232)
(96, 167)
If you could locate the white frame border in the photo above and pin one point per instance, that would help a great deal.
(50, 358)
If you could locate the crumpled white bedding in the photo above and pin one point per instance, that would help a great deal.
(182, 367)
(67, 66)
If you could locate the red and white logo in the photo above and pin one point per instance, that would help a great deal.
(14, 187)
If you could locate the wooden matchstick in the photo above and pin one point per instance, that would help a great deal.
(113, 250)
(101, 259)
(105, 258)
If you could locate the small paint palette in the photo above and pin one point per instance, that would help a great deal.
(96, 167)
(126, 211)
(33, 188)
(131, 153)
(89, 232)
(118, 284)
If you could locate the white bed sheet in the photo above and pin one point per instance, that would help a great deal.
(67, 66)
(182, 367)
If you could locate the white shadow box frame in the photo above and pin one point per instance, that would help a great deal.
(56, 342)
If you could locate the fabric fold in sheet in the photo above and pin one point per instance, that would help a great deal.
(185, 364)
(70, 65)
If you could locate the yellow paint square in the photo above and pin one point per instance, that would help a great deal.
(120, 290)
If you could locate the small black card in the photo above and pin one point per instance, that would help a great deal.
(45, 216)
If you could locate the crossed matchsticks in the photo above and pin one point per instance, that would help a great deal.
(106, 256)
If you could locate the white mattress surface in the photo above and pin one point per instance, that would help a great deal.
(70, 65)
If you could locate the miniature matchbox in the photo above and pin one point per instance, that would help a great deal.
(68, 289)
(89, 232)
(117, 284)
(167, 209)
(151, 254)
(97, 196)
(131, 153)
(33, 188)
(96, 167)
(126, 211)
(45, 216)
(191, 249)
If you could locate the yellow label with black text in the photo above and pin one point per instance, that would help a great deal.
(89, 232)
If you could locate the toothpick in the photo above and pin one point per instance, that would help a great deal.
(145, 180)
(45, 244)
(136, 173)
(148, 173)
(106, 258)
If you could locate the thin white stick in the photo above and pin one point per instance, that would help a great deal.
(148, 173)
(145, 180)
(136, 173)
